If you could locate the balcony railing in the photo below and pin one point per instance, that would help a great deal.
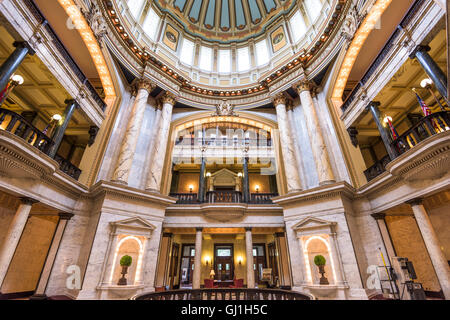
(17, 125)
(224, 294)
(224, 197)
(224, 142)
(428, 126)
(378, 168)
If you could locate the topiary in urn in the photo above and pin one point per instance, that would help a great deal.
(320, 262)
(125, 262)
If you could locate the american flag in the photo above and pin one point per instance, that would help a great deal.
(423, 105)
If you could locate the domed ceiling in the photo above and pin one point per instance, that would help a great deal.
(225, 21)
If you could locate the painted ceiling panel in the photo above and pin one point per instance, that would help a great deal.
(254, 11)
(210, 14)
(225, 21)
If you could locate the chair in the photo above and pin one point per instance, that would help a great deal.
(209, 284)
(238, 283)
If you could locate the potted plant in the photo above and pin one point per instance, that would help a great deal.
(125, 262)
(320, 262)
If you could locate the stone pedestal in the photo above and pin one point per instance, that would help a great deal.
(431, 241)
(128, 149)
(157, 164)
(249, 250)
(13, 235)
(197, 259)
(319, 149)
(287, 146)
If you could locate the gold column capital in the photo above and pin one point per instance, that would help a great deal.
(279, 99)
(145, 84)
(169, 98)
(303, 85)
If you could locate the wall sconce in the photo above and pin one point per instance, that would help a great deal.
(239, 259)
(191, 188)
(207, 260)
(14, 81)
(240, 174)
(208, 174)
(56, 117)
(257, 188)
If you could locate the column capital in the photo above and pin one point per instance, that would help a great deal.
(415, 202)
(419, 48)
(279, 99)
(71, 101)
(28, 201)
(248, 229)
(24, 44)
(65, 215)
(378, 216)
(375, 104)
(145, 84)
(168, 98)
(303, 85)
(199, 229)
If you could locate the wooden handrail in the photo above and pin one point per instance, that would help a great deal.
(224, 294)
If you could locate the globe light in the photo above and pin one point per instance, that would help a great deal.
(56, 117)
(426, 82)
(18, 79)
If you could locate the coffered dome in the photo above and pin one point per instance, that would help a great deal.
(225, 21)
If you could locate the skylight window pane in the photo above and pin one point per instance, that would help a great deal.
(262, 53)
(187, 52)
(150, 25)
(298, 26)
(135, 7)
(205, 58)
(314, 7)
(224, 61)
(243, 58)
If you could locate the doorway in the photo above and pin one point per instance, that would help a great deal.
(259, 261)
(173, 273)
(224, 262)
(187, 265)
(273, 263)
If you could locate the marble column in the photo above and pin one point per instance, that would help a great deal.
(61, 128)
(385, 236)
(374, 108)
(338, 267)
(197, 259)
(432, 244)
(246, 180)
(13, 62)
(13, 235)
(155, 130)
(157, 165)
(202, 179)
(122, 172)
(39, 294)
(287, 146)
(250, 263)
(319, 149)
(431, 68)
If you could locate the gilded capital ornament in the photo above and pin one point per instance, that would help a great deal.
(168, 98)
(146, 85)
(279, 99)
(303, 85)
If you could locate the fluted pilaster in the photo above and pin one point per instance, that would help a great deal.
(319, 149)
(122, 172)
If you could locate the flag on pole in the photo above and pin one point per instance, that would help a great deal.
(426, 110)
